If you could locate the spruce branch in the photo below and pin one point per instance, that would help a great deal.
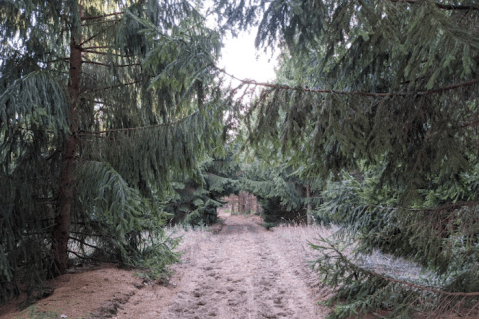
(83, 242)
(113, 86)
(362, 93)
(110, 65)
(443, 6)
(103, 16)
(97, 34)
(129, 129)
(82, 257)
(355, 268)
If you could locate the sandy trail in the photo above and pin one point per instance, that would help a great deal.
(243, 272)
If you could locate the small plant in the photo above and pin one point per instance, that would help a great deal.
(34, 312)
(154, 260)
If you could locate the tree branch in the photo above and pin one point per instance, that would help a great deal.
(103, 16)
(444, 6)
(113, 86)
(105, 64)
(401, 282)
(305, 89)
(134, 128)
(83, 243)
(95, 35)
(97, 47)
(82, 257)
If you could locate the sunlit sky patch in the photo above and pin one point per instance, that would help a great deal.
(241, 59)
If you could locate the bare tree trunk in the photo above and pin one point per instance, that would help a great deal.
(243, 202)
(60, 231)
(308, 212)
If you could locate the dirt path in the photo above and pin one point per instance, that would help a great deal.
(243, 272)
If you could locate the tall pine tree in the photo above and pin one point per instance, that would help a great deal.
(388, 88)
(102, 105)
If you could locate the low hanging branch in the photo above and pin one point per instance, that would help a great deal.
(129, 129)
(355, 267)
(109, 65)
(83, 243)
(103, 16)
(390, 94)
(113, 86)
(443, 6)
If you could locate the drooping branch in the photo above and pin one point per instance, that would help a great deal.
(97, 47)
(445, 6)
(115, 65)
(390, 94)
(433, 289)
(82, 257)
(95, 35)
(113, 86)
(105, 53)
(103, 16)
(83, 242)
(128, 129)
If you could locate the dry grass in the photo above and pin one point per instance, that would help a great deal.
(297, 237)
(192, 240)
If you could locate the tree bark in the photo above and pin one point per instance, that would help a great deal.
(60, 231)
(308, 212)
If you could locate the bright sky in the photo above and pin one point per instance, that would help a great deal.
(241, 59)
(239, 56)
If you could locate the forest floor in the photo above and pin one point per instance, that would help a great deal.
(236, 269)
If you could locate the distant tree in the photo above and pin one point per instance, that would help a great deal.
(102, 105)
(195, 202)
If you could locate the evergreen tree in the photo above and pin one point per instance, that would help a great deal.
(196, 203)
(392, 93)
(102, 105)
(282, 193)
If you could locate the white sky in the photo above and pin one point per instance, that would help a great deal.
(239, 56)
(241, 59)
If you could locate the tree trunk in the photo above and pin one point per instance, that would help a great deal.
(61, 233)
(308, 212)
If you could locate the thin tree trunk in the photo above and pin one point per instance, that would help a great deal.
(242, 201)
(61, 233)
(308, 212)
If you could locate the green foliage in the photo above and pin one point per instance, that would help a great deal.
(387, 89)
(443, 239)
(194, 202)
(146, 113)
(37, 314)
(154, 258)
(281, 193)
(361, 290)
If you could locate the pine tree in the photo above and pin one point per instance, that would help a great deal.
(102, 105)
(281, 192)
(196, 202)
(387, 89)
